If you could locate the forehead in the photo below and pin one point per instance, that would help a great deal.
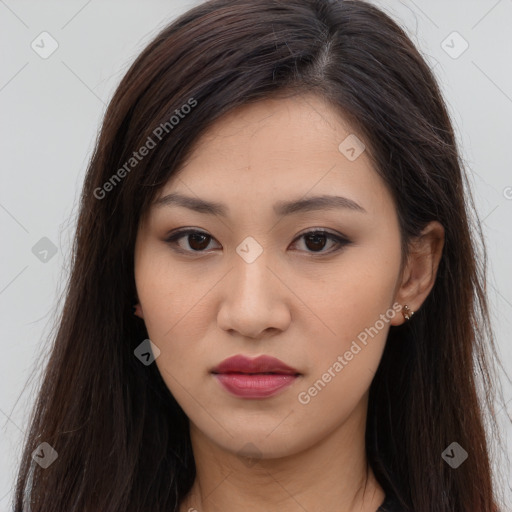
(291, 147)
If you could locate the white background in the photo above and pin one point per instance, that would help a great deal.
(51, 110)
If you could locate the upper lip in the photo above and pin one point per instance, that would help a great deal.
(261, 364)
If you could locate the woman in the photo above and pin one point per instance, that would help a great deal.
(259, 369)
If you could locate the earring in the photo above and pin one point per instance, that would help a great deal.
(406, 311)
(134, 308)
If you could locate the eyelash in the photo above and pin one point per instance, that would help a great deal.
(340, 240)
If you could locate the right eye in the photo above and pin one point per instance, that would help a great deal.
(195, 241)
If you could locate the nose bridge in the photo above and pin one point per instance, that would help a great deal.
(252, 281)
(253, 301)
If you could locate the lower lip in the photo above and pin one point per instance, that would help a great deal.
(254, 386)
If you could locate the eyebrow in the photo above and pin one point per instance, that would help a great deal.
(281, 208)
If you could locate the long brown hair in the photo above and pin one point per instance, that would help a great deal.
(121, 438)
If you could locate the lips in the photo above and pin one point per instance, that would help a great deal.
(259, 365)
(258, 378)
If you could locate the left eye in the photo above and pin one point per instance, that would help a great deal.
(317, 240)
(198, 241)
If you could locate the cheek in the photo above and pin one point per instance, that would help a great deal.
(355, 291)
(169, 296)
(175, 316)
(173, 325)
(342, 367)
(354, 306)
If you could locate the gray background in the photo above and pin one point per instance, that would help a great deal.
(51, 110)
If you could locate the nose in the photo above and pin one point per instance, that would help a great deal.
(256, 302)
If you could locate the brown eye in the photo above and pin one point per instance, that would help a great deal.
(316, 241)
(197, 241)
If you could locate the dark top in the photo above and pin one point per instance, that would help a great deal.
(390, 505)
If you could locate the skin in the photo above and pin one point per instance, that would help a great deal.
(300, 301)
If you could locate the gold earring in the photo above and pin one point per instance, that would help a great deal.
(406, 311)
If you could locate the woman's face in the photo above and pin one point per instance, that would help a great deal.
(256, 280)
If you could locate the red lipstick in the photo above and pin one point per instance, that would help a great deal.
(261, 377)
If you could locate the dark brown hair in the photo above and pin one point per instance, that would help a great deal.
(122, 440)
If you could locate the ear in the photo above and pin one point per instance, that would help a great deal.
(420, 271)
(138, 310)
